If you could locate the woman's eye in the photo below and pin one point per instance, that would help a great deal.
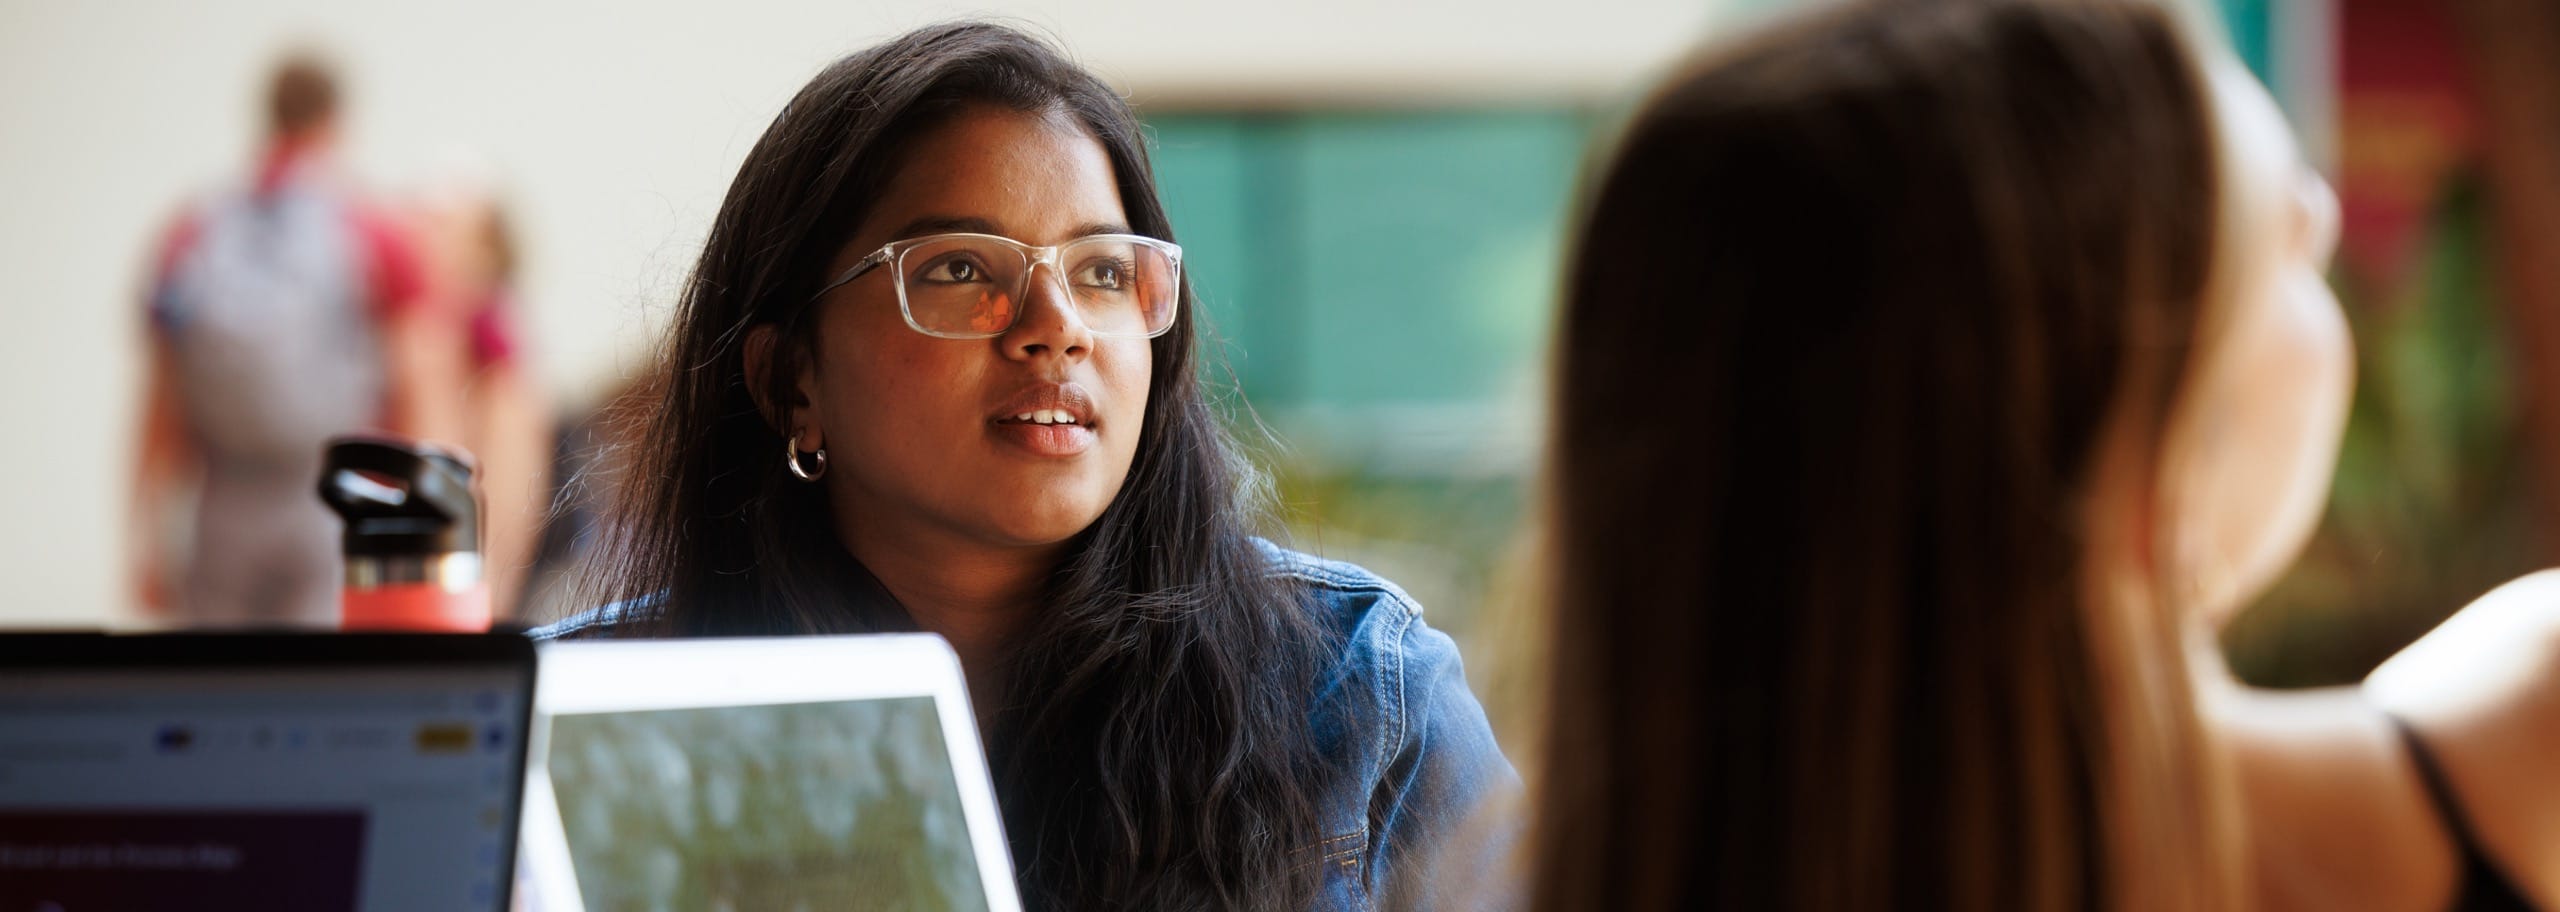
(954, 270)
(1102, 274)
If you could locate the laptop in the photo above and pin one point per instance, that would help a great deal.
(322, 772)
(815, 772)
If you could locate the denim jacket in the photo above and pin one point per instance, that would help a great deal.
(1423, 816)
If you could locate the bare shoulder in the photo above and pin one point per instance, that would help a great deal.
(2336, 815)
(2483, 690)
(2495, 659)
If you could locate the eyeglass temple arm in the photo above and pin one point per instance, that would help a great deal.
(868, 263)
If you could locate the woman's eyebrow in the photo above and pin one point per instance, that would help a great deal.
(946, 224)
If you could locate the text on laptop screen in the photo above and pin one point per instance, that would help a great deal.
(315, 788)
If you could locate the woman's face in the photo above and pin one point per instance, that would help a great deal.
(2255, 440)
(922, 433)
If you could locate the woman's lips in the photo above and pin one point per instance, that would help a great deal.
(1052, 420)
(1054, 441)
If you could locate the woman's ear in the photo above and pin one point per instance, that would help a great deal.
(765, 355)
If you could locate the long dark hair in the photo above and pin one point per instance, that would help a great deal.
(1154, 750)
(1855, 312)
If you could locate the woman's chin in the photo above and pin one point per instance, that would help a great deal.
(1040, 528)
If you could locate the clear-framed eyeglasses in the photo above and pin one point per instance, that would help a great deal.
(972, 286)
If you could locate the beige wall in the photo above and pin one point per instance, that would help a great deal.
(615, 125)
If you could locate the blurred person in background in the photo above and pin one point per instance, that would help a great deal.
(1935, 379)
(464, 374)
(267, 304)
(944, 283)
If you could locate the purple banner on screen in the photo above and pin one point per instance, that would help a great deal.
(76, 861)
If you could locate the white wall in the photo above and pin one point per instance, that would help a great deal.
(615, 125)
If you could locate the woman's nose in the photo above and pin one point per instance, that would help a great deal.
(1049, 321)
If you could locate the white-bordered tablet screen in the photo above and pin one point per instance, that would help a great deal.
(807, 772)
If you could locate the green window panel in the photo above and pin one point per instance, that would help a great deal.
(2251, 23)
(1201, 170)
(1389, 274)
(1431, 249)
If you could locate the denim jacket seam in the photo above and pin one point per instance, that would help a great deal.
(1335, 848)
(1363, 583)
(1403, 705)
(1337, 581)
(1393, 736)
(1340, 578)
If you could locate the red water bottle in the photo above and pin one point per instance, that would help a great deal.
(412, 540)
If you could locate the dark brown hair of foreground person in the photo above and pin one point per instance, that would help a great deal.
(1850, 315)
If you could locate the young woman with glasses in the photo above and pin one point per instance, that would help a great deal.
(1934, 379)
(936, 370)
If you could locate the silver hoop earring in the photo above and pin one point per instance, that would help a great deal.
(791, 458)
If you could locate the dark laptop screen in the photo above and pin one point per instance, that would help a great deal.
(318, 772)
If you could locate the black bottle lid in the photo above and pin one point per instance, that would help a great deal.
(401, 497)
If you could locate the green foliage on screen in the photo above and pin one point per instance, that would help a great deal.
(840, 805)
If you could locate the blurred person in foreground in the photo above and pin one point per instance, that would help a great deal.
(944, 283)
(1935, 379)
(269, 304)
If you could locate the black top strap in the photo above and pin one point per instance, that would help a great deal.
(2482, 886)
